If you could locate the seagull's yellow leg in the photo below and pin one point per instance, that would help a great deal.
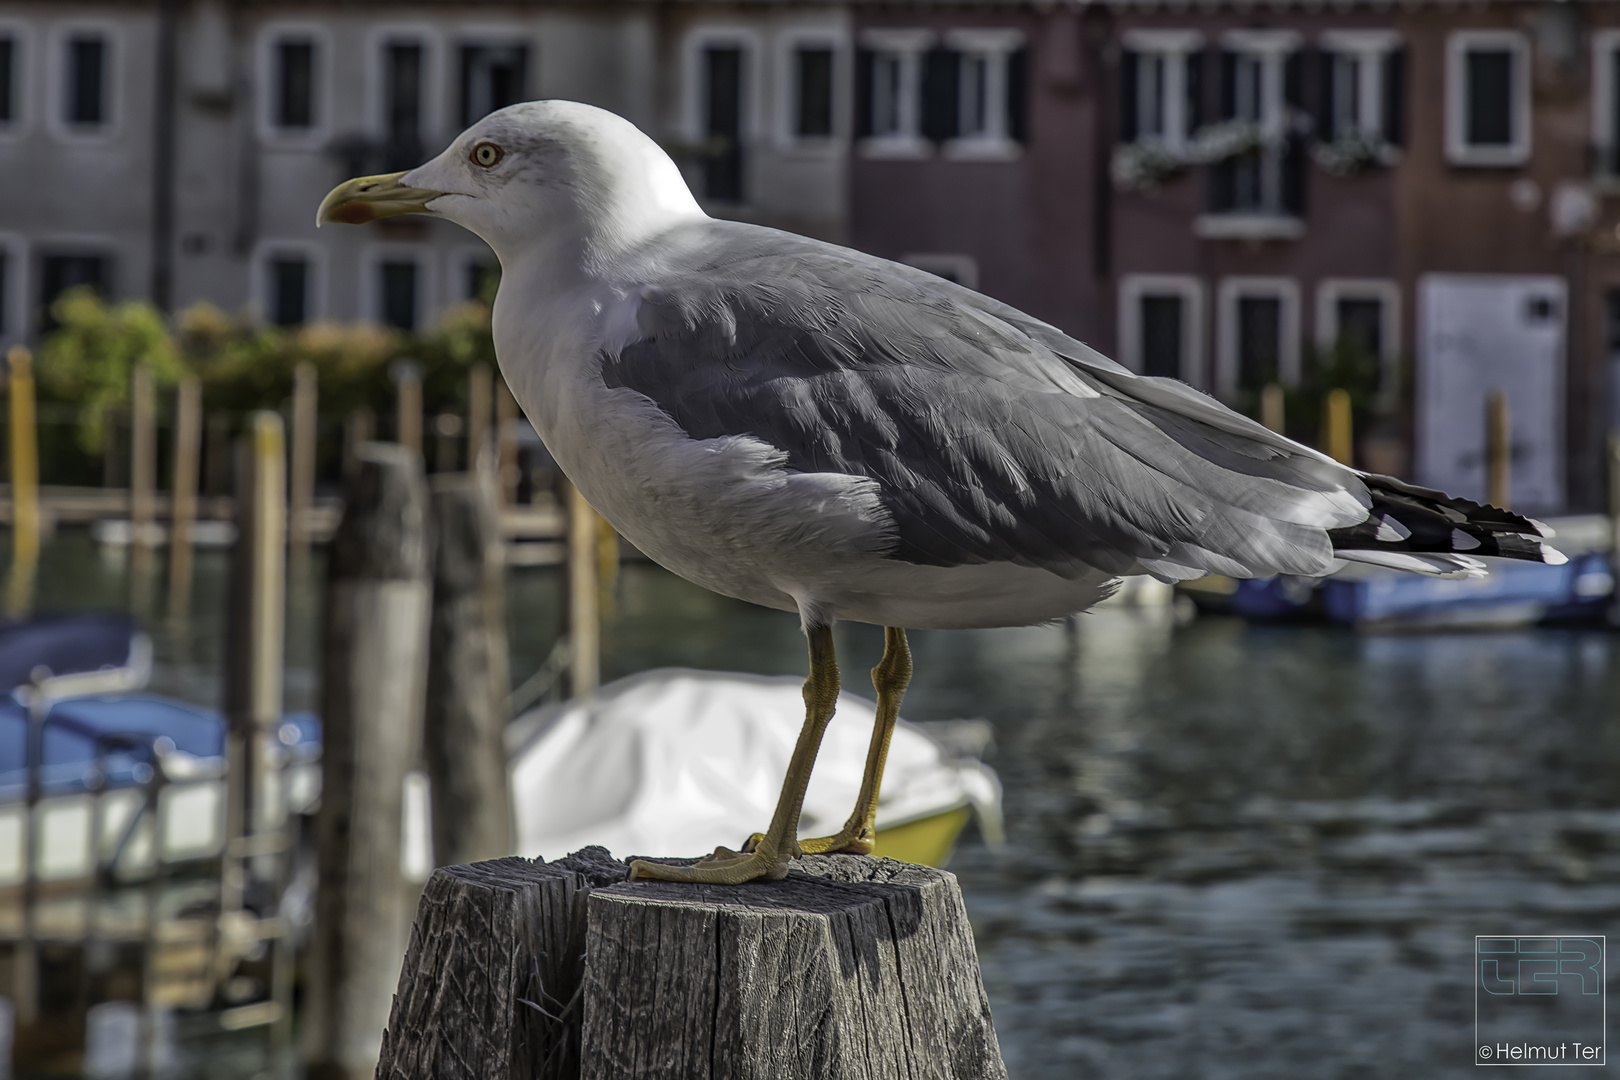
(890, 679)
(769, 857)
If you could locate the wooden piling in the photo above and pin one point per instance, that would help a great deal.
(1337, 438)
(25, 525)
(584, 608)
(218, 464)
(446, 441)
(359, 428)
(506, 416)
(480, 401)
(375, 631)
(850, 967)
(1498, 450)
(408, 405)
(142, 456)
(467, 682)
(1271, 407)
(306, 391)
(183, 491)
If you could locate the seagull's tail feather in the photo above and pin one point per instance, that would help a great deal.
(1430, 532)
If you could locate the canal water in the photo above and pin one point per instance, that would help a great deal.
(1233, 850)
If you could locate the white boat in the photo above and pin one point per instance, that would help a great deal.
(677, 761)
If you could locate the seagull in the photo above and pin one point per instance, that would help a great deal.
(810, 428)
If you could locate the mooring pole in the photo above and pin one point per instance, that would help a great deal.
(1498, 450)
(302, 490)
(142, 456)
(24, 483)
(1336, 433)
(1271, 407)
(408, 405)
(183, 496)
(375, 634)
(480, 394)
(506, 415)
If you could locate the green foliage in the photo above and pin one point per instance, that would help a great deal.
(245, 365)
(88, 359)
(1345, 365)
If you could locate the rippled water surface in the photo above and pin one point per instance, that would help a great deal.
(1233, 851)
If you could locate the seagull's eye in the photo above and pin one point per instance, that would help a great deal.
(486, 155)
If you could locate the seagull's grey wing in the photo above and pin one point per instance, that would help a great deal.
(987, 443)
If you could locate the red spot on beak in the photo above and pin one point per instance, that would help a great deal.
(352, 213)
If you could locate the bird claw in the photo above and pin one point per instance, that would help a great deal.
(724, 867)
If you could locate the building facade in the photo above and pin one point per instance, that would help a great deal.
(1233, 193)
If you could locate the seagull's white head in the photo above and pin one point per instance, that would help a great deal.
(543, 176)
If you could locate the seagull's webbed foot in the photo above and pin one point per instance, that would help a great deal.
(847, 841)
(724, 867)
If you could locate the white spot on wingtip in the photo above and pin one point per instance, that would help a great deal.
(1461, 541)
(1552, 556)
(1391, 531)
(1547, 532)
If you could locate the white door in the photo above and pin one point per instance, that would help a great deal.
(1483, 332)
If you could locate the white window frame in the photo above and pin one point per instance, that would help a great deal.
(1170, 47)
(692, 89)
(995, 47)
(788, 44)
(270, 35)
(494, 35)
(1227, 295)
(259, 278)
(1329, 291)
(1132, 288)
(908, 46)
(20, 271)
(1369, 51)
(1270, 49)
(22, 70)
(372, 256)
(1605, 43)
(964, 268)
(1458, 151)
(435, 95)
(56, 80)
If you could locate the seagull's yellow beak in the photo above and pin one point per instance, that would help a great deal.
(367, 198)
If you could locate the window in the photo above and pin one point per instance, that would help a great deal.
(397, 293)
(85, 100)
(1606, 103)
(1487, 98)
(295, 84)
(1259, 89)
(1259, 334)
(961, 269)
(61, 272)
(1364, 314)
(813, 92)
(492, 77)
(722, 115)
(888, 91)
(1159, 87)
(1161, 320)
(402, 105)
(8, 79)
(980, 73)
(289, 290)
(1363, 86)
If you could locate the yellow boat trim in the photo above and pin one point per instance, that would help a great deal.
(928, 840)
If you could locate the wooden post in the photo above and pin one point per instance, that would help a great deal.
(1498, 450)
(142, 456)
(183, 491)
(850, 967)
(256, 632)
(217, 462)
(506, 414)
(446, 440)
(584, 612)
(408, 405)
(1614, 500)
(1336, 433)
(1271, 407)
(375, 636)
(467, 681)
(25, 527)
(359, 429)
(480, 394)
(306, 391)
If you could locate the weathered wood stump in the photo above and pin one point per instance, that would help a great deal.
(851, 967)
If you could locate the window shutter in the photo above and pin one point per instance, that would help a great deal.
(1193, 73)
(1395, 97)
(1127, 95)
(1327, 111)
(940, 88)
(1018, 95)
(863, 93)
(1228, 88)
